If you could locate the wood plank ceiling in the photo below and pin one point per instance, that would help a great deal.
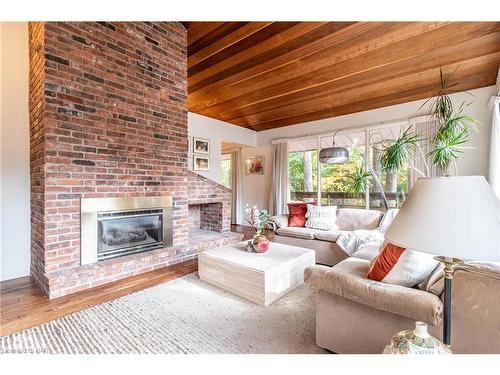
(264, 75)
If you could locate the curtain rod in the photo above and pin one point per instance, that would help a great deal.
(417, 119)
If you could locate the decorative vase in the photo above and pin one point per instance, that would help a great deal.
(417, 341)
(260, 243)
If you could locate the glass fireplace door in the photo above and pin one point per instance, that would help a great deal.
(121, 233)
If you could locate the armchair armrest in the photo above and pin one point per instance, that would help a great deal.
(348, 279)
(278, 221)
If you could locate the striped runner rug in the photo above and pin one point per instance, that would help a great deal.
(184, 315)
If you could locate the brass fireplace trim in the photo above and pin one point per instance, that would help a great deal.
(90, 207)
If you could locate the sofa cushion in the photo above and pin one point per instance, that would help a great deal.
(322, 217)
(328, 235)
(297, 214)
(298, 232)
(279, 221)
(357, 218)
(367, 252)
(490, 269)
(434, 283)
(398, 266)
(387, 219)
(347, 279)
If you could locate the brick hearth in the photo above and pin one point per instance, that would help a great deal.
(108, 115)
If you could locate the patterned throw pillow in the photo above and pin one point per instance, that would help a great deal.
(398, 266)
(322, 217)
(297, 214)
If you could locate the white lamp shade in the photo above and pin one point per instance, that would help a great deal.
(450, 216)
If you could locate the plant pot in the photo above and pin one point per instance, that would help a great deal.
(417, 341)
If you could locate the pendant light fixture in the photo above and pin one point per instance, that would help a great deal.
(334, 155)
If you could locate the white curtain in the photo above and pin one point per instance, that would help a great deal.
(426, 127)
(494, 161)
(236, 184)
(280, 189)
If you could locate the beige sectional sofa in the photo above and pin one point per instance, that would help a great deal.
(323, 242)
(358, 315)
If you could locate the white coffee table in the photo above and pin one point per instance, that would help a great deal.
(260, 278)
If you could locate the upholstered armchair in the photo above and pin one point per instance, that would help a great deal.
(358, 315)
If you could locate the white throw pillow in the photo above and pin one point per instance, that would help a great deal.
(321, 217)
(405, 267)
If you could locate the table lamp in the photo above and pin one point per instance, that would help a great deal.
(452, 218)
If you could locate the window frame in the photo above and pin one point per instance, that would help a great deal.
(368, 132)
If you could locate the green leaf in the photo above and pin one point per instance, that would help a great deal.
(360, 180)
(396, 154)
(448, 145)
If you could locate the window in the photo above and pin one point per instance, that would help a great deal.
(303, 170)
(226, 170)
(394, 184)
(337, 185)
(343, 184)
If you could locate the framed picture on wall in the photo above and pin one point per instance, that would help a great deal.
(255, 165)
(201, 163)
(201, 146)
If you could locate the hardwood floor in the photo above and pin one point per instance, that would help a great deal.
(23, 305)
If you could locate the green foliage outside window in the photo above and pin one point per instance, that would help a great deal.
(335, 177)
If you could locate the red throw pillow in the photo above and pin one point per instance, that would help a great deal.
(384, 263)
(297, 214)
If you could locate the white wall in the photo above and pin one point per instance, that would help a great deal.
(217, 131)
(14, 152)
(472, 162)
(256, 188)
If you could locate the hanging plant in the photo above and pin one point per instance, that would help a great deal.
(397, 154)
(447, 147)
(453, 132)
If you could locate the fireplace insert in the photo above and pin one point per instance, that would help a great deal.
(113, 227)
(128, 232)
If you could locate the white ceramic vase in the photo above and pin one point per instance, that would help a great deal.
(417, 341)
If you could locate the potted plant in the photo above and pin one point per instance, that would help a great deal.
(453, 131)
(258, 219)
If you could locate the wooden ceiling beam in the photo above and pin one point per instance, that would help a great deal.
(477, 80)
(215, 35)
(270, 37)
(296, 48)
(224, 42)
(197, 30)
(386, 87)
(277, 85)
(263, 75)
(352, 43)
(452, 55)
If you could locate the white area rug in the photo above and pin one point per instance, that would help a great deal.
(185, 315)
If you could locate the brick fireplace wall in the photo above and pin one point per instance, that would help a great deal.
(209, 204)
(108, 117)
